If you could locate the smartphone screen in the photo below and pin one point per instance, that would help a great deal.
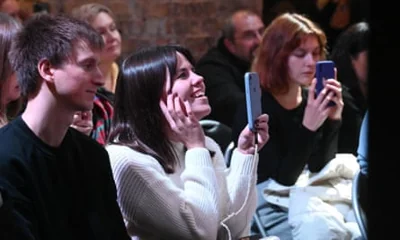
(253, 98)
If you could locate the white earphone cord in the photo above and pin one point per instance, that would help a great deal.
(247, 194)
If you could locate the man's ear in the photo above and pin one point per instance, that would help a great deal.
(46, 70)
(229, 45)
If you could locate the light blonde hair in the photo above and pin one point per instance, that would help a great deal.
(88, 12)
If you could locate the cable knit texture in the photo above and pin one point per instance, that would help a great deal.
(192, 202)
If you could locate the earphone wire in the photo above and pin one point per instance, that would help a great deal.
(247, 193)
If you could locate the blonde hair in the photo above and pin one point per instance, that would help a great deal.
(88, 12)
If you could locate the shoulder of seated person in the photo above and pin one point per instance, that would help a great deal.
(118, 152)
(85, 141)
(213, 57)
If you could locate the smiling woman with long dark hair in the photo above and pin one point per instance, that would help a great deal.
(172, 181)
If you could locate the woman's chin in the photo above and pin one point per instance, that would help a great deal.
(202, 113)
(110, 57)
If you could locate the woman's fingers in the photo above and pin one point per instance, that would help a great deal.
(178, 113)
(311, 91)
(190, 114)
(335, 86)
(167, 114)
(179, 108)
(326, 101)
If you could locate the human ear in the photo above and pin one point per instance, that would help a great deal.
(46, 70)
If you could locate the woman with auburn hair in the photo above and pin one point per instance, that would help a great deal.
(10, 100)
(303, 128)
(171, 179)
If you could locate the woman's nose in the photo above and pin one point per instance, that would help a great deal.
(197, 78)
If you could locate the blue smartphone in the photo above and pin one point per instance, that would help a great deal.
(253, 98)
(324, 70)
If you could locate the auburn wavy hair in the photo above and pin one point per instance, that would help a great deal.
(282, 36)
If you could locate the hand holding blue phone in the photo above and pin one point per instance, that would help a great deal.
(255, 136)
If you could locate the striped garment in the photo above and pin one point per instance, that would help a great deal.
(103, 112)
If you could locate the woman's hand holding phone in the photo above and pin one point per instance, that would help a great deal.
(183, 123)
(318, 109)
(326, 74)
(335, 112)
(246, 140)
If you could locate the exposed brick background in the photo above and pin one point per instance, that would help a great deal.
(193, 23)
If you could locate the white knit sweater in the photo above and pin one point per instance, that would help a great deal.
(190, 203)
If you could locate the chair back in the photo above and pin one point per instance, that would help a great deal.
(218, 131)
(221, 134)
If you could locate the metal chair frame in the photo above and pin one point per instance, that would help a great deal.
(358, 211)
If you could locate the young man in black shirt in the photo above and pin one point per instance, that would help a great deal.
(55, 182)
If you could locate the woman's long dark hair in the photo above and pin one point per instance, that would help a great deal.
(138, 121)
(348, 45)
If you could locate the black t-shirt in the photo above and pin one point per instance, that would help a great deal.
(56, 193)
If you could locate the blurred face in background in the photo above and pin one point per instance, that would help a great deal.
(247, 37)
(105, 25)
(360, 65)
(10, 90)
(11, 7)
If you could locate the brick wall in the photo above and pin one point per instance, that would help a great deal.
(192, 23)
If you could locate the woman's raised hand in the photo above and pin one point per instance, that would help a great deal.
(183, 123)
(246, 140)
(317, 109)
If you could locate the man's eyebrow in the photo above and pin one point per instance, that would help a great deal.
(86, 59)
(90, 59)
